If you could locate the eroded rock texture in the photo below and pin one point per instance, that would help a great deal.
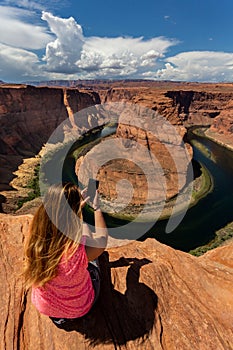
(183, 105)
(147, 154)
(152, 297)
(28, 116)
(180, 103)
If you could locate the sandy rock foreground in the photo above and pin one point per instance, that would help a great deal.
(152, 297)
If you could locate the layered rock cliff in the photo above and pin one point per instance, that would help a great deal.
(28, 116)
(197, 103)
(221, 129)
(180, 103)
(183, 105)
(152, 297)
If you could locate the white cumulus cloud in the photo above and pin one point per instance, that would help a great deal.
(72, 52)
(65, 50)
(198, 66)
(56, 48)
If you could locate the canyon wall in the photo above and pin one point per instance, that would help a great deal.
(187, 104)
(183, 105)
(194, 103)
(28, 116)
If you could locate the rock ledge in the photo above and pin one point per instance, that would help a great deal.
(152, 297)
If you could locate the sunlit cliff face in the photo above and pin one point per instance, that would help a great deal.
(29, 115)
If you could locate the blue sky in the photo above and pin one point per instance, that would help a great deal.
(164, 40)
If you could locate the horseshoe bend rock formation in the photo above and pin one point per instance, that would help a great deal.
(146, 152)
(183, 105)
(152, 297)
(180, 103)
(28, 115)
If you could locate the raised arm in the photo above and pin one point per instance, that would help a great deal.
(97, 242)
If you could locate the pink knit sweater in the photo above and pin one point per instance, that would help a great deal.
(70, 294)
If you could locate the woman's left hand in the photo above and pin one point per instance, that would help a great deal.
(85, 197)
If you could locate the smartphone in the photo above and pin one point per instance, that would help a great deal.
(91, 188)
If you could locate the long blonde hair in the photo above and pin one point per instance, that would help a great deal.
(55, 231)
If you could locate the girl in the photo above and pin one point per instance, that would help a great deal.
(64, 285)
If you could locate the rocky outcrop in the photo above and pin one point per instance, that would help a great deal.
(143, 182)
(144, 162)
(152, 297)
(221, 129)
(197, 107)
(28, 116)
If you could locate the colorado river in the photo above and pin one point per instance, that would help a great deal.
(211, 213)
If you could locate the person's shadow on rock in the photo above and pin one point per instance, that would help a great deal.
(116, 317)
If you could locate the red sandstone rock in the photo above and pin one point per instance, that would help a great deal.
(180, 103)
(34, 116)
(28, 116)
(147, 152)
(223, 124)
(152, 297)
